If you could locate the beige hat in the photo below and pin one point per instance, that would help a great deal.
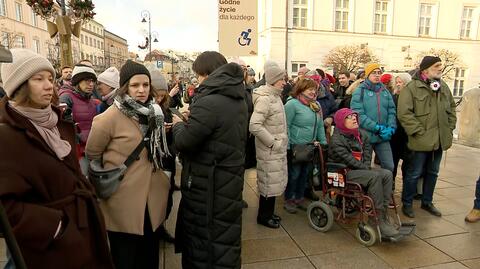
(24, 65)
(110, 77)
(273, 72)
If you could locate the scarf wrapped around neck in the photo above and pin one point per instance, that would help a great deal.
(45, 121)
(312, 103)
(150, 117)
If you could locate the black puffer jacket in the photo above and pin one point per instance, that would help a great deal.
(212, 146)
(342, 146)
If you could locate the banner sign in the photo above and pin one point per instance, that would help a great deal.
(237, 27)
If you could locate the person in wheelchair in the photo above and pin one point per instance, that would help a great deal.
(351, 147)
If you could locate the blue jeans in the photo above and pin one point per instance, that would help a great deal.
(384, 153)
(476, 203)
(426, 163)
(297, 180)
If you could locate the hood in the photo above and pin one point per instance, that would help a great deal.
(226, 80)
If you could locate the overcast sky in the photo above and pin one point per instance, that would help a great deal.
(182, 25)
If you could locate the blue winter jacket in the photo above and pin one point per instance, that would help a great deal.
(375, 105)
(301, 122)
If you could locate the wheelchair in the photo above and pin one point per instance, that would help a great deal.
(342, 200)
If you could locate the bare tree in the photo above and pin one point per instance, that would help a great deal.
(8, 39)
(349, 57)
(450, 60)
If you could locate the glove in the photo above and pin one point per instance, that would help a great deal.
(385, 134)
(379, 128)
(391, 130)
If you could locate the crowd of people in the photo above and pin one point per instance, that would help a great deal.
(127, 121)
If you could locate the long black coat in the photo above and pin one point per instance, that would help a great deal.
(212, 146)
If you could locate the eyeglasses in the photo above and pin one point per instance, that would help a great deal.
(378, 73)
(352, 116)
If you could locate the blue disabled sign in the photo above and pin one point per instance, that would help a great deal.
(159, 64)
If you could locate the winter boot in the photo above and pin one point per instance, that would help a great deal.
(387, 229)
(473, 216)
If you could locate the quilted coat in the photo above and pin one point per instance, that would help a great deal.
(269, 125)
(212, 147)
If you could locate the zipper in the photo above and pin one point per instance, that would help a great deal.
(378, 107)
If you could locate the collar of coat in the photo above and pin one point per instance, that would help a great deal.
(266, 90)
(20, 123)
(420, 83)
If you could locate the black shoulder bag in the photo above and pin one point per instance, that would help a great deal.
(304, 152)
(106, 182)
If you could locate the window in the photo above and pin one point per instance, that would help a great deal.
(465, 28)
(81, 38)
(341, 15)
(18, 11)
(300, 10)
(91, 42)
(34, 19)
(381, 13)
(19, 42)
(459, 82)
(83, 56)
(5, 40)
(3, 10)
(101, 45)
(95, 60)
(36, 46)
(425, 19)
(296, 67)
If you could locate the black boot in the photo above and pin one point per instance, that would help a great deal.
(408, 211)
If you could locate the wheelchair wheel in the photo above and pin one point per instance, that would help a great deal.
(366, 235)
(351, 206)
(320, 216)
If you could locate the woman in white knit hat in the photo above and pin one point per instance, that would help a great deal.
(50, 204)
(108, 83)
(268, 125)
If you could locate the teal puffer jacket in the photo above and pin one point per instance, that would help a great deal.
(301, 122)
(375, 107)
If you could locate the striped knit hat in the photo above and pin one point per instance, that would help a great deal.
(25, 64)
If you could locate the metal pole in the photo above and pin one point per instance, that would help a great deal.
(150, 34)
(10, 239)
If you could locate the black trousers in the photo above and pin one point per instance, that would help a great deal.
(131, 251)
(266, 208)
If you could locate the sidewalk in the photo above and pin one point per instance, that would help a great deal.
(443, 243)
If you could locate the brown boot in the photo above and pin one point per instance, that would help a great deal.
(473, 216)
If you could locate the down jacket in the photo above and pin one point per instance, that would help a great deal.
(342, 146)
(212, 147)
(269, 126)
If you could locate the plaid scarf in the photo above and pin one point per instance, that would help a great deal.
(157, 145)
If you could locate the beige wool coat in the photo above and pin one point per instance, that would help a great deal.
(114, 136)
(269, 126)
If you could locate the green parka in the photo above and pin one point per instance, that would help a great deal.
(428, 117)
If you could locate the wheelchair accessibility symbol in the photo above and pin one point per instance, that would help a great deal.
(244, 40)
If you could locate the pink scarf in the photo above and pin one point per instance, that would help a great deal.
(45, 121)
(312, 103)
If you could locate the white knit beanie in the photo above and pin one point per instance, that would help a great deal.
(82, 72)
(158, 80)
(25, 64)
(110, 77)
(273, 72)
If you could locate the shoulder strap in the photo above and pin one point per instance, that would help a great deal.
(133, 156)
(362, 92)
(315, 125)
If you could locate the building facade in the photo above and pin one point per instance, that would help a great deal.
(302, 32)
(116, 50)
(92, 44)
(21, 28)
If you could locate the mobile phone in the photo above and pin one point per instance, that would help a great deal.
(176, 112)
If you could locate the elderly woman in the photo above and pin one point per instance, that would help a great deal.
(377, 113)
(138, 207)
(268, 125)
(305, 126)
(51, 206)
(350, 146)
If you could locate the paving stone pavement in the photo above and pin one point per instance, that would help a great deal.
(438, 243)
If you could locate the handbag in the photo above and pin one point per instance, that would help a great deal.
(304, 152)
(107, 181)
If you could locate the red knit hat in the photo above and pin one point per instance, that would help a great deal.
(386, 78)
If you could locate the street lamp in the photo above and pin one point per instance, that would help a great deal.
(147, 16)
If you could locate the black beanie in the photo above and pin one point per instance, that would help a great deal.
(428, 61)
(130, 69)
